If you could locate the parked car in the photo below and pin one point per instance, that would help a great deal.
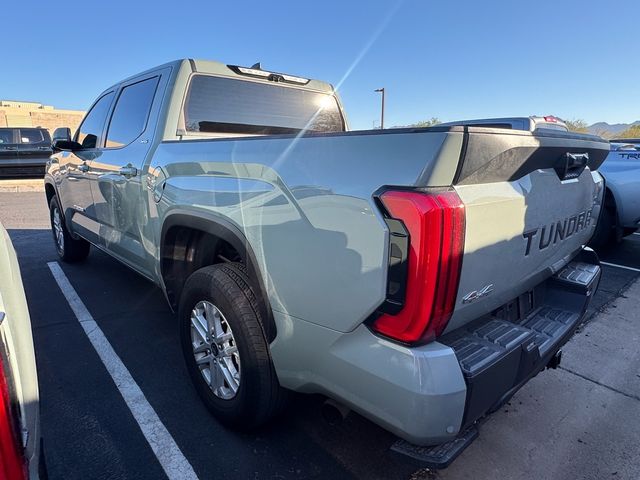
(24, 151)
(20, 445)
(417, 276)
(621, 215)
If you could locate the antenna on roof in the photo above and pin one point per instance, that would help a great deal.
(257, 66)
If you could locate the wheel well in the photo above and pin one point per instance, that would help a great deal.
(185, 250)
(190, 243)
(49, 191)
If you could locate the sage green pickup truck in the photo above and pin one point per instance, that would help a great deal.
(419, 276)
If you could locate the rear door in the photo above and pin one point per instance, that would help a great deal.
(34, 148)
(117, 186)
(8, 149)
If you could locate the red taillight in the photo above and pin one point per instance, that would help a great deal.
(12, 464)
(435, 222)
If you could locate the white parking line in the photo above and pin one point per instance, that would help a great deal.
(621, 266)
(168, 453)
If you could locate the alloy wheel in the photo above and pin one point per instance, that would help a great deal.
(57, 229)
(215, 350)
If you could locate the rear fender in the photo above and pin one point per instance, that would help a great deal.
(224, 229)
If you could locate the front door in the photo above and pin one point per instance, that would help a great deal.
(117, 188)
(75, 189)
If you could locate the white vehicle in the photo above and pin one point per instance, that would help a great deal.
(20, 448)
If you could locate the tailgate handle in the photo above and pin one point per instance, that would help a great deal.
(571, 165)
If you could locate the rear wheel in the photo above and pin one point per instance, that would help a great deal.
(605, 234)
(69, 249)
(225, 348)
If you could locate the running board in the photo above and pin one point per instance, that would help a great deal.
(437, 456)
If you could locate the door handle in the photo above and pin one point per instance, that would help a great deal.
(128, 171)
(44, 148)
(83, 167)
(10, 148)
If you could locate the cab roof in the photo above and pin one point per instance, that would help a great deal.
(237, 71)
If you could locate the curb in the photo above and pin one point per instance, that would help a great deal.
(20, 186)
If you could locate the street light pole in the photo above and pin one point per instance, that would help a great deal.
(381, 90)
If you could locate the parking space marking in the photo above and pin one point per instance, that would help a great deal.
(620, 266)
(175, 465)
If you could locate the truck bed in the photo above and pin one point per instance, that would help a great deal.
(319, 190)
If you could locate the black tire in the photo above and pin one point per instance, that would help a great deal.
(259, 396)
(605, 234)
(70, 249)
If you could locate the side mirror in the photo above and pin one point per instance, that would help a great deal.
(62, 133)
(62, 140)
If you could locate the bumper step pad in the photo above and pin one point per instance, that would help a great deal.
(484, 343)
(479, 348)
(438, 456)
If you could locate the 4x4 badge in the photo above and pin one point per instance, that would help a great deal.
(476, 294)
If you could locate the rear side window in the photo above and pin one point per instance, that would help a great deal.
(90, 132)
(6, 136)
(131, 113)
(31, 135)
(226, 105)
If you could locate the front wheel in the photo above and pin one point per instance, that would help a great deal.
(69, 249)
(225, 348)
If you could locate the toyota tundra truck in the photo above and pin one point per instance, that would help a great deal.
(417, 276)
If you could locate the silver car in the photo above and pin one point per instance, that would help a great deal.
(621, 171)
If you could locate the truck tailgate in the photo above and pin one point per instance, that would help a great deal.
(531, 201)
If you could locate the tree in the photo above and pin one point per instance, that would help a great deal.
(427, 123)
(631, 132)
(577, 125)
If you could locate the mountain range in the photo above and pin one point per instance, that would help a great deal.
(605, 129)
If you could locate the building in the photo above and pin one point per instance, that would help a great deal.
(32, 114)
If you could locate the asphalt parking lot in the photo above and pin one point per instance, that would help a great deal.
(579, 421)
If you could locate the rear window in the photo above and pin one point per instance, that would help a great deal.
(131, 112)
(32, 135)
(225, 105)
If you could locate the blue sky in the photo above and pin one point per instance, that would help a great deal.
(448, 59)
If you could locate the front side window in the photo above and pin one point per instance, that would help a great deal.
(90, 132)
(31, 135)
(226, 105)
(131, 112)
